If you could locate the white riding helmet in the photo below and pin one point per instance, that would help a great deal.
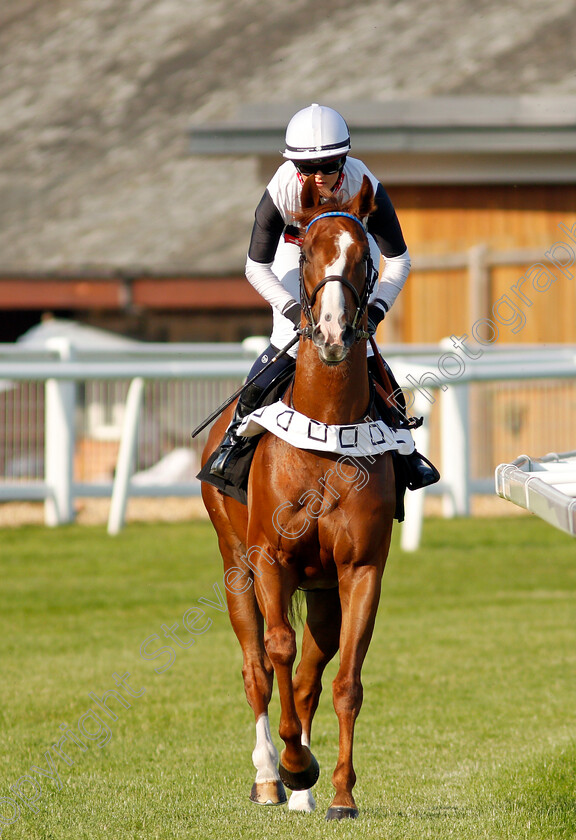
(315, 133)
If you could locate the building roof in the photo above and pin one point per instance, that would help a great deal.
(438, 123)
(442, 139)
(95, 162)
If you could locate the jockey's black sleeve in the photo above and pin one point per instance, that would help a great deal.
(384, 226)
(267, 230)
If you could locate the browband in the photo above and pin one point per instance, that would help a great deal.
(335, 213)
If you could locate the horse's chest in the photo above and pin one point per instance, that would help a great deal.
(313, 514)
(313, 508)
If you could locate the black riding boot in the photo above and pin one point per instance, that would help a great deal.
(419, 471)
(249, 400)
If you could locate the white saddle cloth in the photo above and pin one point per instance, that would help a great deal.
(358, 439)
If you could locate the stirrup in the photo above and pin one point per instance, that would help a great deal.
(414, 422)
(421, 472)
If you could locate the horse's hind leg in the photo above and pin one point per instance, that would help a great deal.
(319, 645)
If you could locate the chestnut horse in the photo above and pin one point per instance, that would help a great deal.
(312, 522)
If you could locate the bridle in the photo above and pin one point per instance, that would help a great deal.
(361, 300)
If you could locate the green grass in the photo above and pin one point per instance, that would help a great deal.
(469, 718)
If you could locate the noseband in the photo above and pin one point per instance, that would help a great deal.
(361, 301)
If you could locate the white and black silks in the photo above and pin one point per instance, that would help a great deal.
(272, 266)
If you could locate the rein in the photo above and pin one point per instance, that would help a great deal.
(361, 301)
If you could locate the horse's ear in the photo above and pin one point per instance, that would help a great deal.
(310, 195)
(363, 204)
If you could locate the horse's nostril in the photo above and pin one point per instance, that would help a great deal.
(348, 336)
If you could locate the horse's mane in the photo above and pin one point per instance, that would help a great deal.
(313, 203)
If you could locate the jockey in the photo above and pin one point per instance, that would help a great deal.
(317, 143)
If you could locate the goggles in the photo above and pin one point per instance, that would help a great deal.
(326, 167)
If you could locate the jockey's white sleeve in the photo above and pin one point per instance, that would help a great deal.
(396, 270)
(261, 276)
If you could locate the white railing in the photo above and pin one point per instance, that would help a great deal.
(545, 486)
(441, 392)
(515, 364)
(62, 367)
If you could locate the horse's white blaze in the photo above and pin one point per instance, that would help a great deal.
(265, 755)
(333, 303)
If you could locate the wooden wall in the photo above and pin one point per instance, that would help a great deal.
(471, 246)
(517, 225)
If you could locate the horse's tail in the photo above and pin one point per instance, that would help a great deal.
(296, 609)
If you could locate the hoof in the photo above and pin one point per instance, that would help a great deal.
(268, 793)
(341, 812)
(304, 779)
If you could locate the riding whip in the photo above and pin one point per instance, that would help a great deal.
(237, 393)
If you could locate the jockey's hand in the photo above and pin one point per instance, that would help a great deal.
(376, 313)
(293, 311)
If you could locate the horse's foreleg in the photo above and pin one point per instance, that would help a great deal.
(268, 788)
(258, 675)
(359, 594)
(274, 588)
(319, 645)
(257, 670)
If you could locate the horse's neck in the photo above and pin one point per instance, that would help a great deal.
(335, 395)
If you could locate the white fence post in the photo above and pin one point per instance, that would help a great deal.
(126, 455)
(414, 499)
(455, 440)
(60, 410)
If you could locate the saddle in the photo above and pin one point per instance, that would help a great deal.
(384, 406)
(235, 482)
